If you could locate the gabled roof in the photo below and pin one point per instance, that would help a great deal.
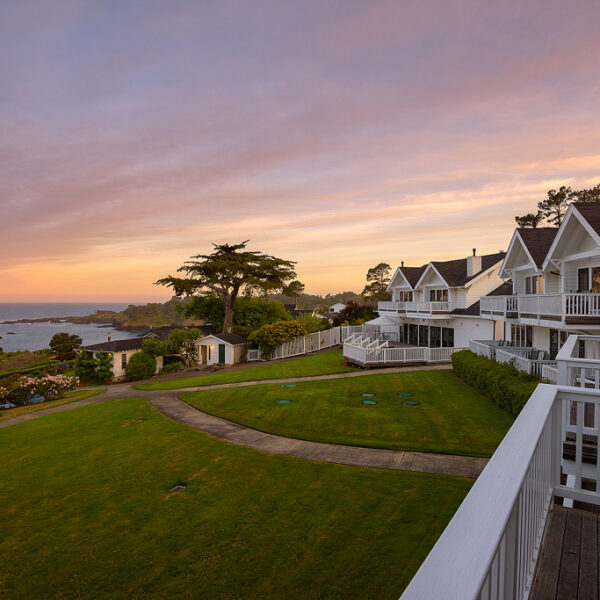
(412, 274)
(590, 211)
(230, 338)
(454, 272)
(117, 345)
(537, 241)
(587, 215)
(163, 332)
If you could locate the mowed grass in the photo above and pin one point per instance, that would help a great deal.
(87, 513)
(317, 364)
(450, 417)
(11, 413)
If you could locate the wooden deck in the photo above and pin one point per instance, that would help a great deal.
(567, 568)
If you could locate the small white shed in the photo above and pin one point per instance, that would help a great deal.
(223, 349)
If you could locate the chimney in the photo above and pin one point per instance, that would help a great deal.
(402, 264)
(109, 336)
(473, 264)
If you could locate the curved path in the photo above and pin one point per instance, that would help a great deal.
(167, 402)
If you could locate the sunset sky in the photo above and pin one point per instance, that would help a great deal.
(337, 134)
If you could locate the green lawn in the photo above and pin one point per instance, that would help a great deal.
(11, 413)
(87, 513)
(451, 417)
(317, 364)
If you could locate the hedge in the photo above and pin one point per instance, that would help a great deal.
(36, 369)
(503, 384)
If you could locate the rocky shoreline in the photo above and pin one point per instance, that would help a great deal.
(104, 318)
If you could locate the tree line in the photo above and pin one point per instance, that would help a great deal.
(552, 210)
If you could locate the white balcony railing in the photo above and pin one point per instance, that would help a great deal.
(394, 307)
(490, 547)
(542, 306)
(427, 307)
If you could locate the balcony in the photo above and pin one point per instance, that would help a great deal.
(413, 309)
(428, 309)
(391, 308)
(567, 308)
(490, 549)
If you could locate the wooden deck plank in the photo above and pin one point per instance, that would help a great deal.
(548, 567)
(588, 562)
(569, 564)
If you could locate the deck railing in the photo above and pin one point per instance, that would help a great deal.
(427, 307)
(490, 547)
(520, 358)
(391, 306)
(363, 354)
(542, 306)
(303, 344)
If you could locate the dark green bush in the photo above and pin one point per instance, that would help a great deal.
(141, 366)
(501, 383)
(171, 367)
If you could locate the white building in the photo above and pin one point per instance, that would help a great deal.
(121, 352)
(437, 304)
(222, 348)
(555, 279)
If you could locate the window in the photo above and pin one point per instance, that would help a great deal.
(588, 279)
(404, 296)
(534, 284)
(521, 335)
(438, 295)
(447, 337)
(423, 335)
(557, 339)
(123, 361)
(435, 337)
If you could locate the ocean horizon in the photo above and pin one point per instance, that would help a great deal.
(36, 336)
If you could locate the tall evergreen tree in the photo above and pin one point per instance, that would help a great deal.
(229, 271)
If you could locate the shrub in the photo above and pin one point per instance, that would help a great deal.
(501, 383)
(171, 367)
(269, 336)
(51, 387)
(141, 366)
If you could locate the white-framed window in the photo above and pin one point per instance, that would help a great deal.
(439, 295)
(521, 335)
(123, 361)
(534, 284)
(405, 296)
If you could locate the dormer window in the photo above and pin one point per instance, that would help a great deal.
(405, 296)
(534, 284)
(438, 295)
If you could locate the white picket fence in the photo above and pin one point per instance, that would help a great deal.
(303, 344)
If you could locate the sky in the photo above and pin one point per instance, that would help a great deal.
(335, 134)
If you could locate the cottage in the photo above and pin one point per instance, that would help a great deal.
(121, 352)
(223, 349)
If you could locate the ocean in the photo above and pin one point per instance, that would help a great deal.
(36, 336)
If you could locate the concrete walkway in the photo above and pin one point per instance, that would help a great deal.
(398, 460)
(167, 402)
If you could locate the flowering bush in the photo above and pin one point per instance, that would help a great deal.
(51, 387)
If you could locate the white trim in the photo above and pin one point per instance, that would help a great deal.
(516, 235)
(430, 266)
(390, 287)
(570, 212)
